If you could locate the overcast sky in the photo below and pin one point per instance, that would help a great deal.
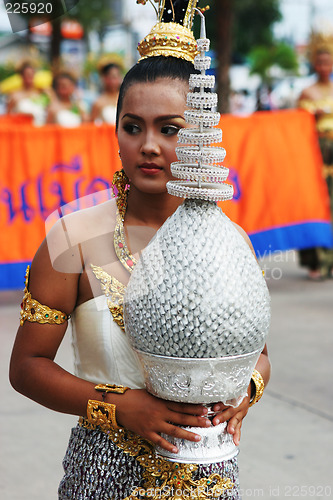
(298, 16)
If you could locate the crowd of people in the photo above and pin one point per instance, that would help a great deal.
(61, 103)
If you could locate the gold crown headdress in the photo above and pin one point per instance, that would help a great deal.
(172, 35)
(320, 42)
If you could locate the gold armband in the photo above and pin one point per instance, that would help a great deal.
(259, 385)
(35, 312)
(102, 414)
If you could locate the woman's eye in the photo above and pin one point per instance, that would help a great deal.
(170, 130)
(131, 128)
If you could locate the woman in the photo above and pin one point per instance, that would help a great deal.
(29, 100)
(318, 99)
(65, 110)
(107, 462)
(104, 108)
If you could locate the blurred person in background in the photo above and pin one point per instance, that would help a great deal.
(318, 99)
(66, 109)
(29, 100)
(104, 108)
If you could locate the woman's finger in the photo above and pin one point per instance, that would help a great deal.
(234, 428)
(163, 443)
(186, 420)
(180, 433)
(189, 409)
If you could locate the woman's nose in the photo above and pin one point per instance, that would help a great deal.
(150, 145)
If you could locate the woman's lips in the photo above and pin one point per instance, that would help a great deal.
(150, 168)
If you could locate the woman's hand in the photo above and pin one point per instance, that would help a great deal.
(234, 416)
(148, 416)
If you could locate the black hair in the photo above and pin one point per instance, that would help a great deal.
(106, 68)
(25, 65)
(63, 74)
(152, 68)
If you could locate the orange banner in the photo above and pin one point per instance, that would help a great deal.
(275, 164)
(275, 167)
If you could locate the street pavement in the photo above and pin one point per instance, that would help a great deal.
(287, 438)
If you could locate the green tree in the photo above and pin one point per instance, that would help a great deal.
(263, 58)
(253, 23)
(92, 14)
(235, 28)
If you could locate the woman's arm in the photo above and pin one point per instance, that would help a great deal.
(34, 373)
(95, 110)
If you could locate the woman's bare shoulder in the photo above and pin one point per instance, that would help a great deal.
(72, 231)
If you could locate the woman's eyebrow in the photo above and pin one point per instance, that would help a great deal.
(134, 117)
(158, 119)
(169, 117)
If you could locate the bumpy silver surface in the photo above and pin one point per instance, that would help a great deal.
(208, 173)
(205, 154)
(196, 307)
(197, 290)
(216, 445)
(195, 157)
(207, 381)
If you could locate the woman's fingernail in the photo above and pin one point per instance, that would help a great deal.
(207, 423)
(217, 421)
(217, 408)
(174, 450)
(232, 430)
(197, 437)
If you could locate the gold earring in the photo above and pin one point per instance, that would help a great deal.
(120, 188)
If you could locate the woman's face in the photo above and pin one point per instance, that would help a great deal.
(65, 87)
(112, 79)
(28, 76)
(151, 115)
(323, 64)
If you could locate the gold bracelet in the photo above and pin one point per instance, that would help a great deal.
(259, 387)
(118, 389)
(35, 312)
(102, 414)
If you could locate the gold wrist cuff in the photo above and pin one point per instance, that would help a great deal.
(118, 389)
(35, 312)
(102, 414)
(259, 386)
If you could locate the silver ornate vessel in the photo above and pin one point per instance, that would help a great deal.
(197, 309)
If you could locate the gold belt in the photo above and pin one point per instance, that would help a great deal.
(170, 476)
(328, 134)
(327, 171)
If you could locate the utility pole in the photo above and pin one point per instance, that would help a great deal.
(312, 14)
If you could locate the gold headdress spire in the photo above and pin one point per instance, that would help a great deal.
(172, 35)
(320, 42)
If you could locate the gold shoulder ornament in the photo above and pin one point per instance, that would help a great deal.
(114, 292)
(35, 312)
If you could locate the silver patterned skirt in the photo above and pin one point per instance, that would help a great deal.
(123, 466)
